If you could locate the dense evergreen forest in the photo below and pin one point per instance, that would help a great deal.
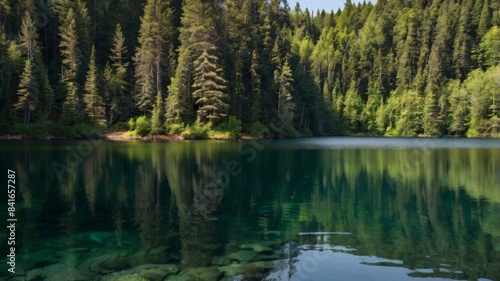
(420, 67)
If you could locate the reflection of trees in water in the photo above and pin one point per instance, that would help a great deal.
(426, 217)
(190, 173)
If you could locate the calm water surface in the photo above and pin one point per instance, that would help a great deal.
(303, 209)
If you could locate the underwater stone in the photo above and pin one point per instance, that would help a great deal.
(106, 264)
(129, 277)
(199, 274)
(248, 269)
(57, 272)
(157, 255)
(243, 256)
(259, 248)
(152, 272)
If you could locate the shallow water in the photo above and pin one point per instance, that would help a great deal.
(302, 209)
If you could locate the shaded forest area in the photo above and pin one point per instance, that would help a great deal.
(422, 67)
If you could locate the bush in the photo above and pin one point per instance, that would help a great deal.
(19, 129)
(4, 127)
(86, 130)
(142, 126)
(258, 130)
(61, 130)
(121, 126)
(175, 129)
(195, 131)
(131, 124)
(233, 126)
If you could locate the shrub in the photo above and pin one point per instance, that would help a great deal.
(233, 126)
(4, 127)
(195, 131)
(258, 130)
(19, 129)
(142, 126)
(121, 126)
(81, 130)
(175, 129)
(131, 124)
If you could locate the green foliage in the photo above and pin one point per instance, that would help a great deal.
(92, 96)
(232, 126)
(490, 47)
(367, 69)
(209, 90)
(175, 129)
(143, 126)
(157, 118)
(258, 130)
(131, 124)
(195, 131)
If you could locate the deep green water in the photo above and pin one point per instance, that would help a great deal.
(304, 209)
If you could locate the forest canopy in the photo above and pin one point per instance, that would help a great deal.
(399, 68)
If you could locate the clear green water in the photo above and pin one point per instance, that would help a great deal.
(304, 209)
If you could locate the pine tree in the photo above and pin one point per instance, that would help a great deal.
(209, 90)
(71, 63)
(157, 118)
(152, 53)
(353, 106)
(116, 78)
(28, 92)
(200, 23)
(283, 79)
(255, 86)
(28, 87)
(484, 21)
(459, 101)
(92, 99)
(463, 41)
(431, 115)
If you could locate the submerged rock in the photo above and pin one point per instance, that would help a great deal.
(57, 272)
(199, 274)
(106, 264)
(258, 248)
(158, 255)
(151, 272)
(243, 256)
(248, 269)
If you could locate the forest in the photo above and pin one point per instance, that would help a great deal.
(205, 68)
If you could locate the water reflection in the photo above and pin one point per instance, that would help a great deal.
(393, 213)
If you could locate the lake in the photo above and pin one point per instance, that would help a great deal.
(298, 209)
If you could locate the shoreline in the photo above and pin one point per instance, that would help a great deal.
(119, 136)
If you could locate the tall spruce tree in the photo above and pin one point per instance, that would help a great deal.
(209, 90)
(152, 53)
(200, 23)
(28, 87)
(71, 59)
(93, 100)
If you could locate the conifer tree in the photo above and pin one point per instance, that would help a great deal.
(462, 46)
(71, 59)
(116, 78)
(157, 118)
(209, 90)
(152, 53)
(255, 86)
(283, 79)
(200, 21)
(28, 92)
(92, 98)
